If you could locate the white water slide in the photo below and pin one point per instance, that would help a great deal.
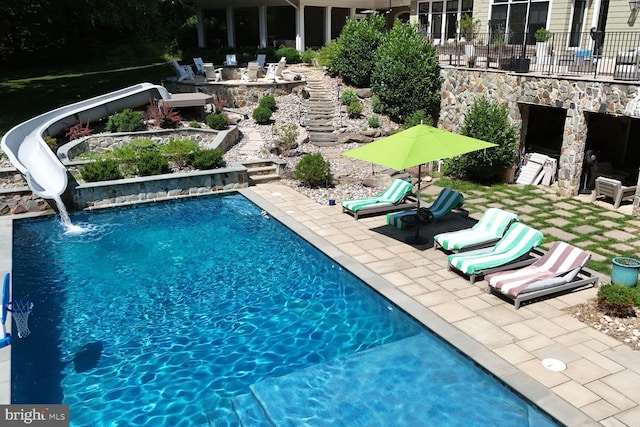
(24, 144)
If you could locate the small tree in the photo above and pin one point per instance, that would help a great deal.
(489, 122)
(313, 170)
(287, 135)
(357, 44)
(406, 77)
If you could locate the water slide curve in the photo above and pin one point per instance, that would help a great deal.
(24, 144)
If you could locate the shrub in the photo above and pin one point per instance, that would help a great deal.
(374, 122)
(327, 54)
(286, 137)
(348, 96)
(51, 142)
(78, 131)
(217, 121)
(376, 105)
(291, 53)
(354, 59)
(313, 170)
(125, 121)
(354, 109)
(308, 56)
(416, 118)
(152, 163)
(207, 159)
(261, 115)
(179, 151)
(101, 170)
(616, 300)
(489, 122)
(268, 102)
(406, 77)
(162, 115)
(194, 124)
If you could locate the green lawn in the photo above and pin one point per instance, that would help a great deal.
(36, 92)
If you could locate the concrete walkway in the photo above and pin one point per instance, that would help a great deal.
(602, 379)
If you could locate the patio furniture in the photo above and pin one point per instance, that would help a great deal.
(614, 190)
(627, 65)
(185, 72)
(231, 60)
(446, 201)
(394, 198)
(250, 74)
(211, 73)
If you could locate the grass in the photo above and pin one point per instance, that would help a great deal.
(543, 210)
(32, 93)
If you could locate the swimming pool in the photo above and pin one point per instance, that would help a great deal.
(169, 314)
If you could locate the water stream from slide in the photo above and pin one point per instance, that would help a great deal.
(65, 220)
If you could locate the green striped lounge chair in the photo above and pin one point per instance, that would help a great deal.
(487, 231)
(511, 251)
(560, 269)
(392, 199)
(446, 201)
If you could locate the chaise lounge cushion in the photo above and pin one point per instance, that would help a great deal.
(389, 200)
(487, 231)
(446, 201)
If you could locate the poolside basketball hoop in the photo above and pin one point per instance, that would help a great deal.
(20, 310)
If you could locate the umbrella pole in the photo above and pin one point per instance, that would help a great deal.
(417, 239)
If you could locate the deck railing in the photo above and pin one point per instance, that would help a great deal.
(608, 55)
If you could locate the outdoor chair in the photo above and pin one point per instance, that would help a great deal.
(274, 70)
(511, 251)
(261, 59)
(231, 60)
(560, 269)
(613, 189)
(395, 197)
(447, 201)
(211, 73)
(185, 72)
(486, 232)
(250, 74)
(199, 63)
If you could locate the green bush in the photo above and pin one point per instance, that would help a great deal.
(179, 151)
(616, 300)
(416, 118)
(327, 54)
(308, 56)
(208, 159)
(291, 53)
(217, 121)
(287, 135)
(406, 77)
(101, 170)
(348, 96)
(261, 115)
(152, 163)
(489, 122)
(354, 109)
(125, 121)
(194, 124)
(376, 105)
(313, 170)
(268, 102)
(357, 45)
(373, 122)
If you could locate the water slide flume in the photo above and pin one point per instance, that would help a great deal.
(25, 146)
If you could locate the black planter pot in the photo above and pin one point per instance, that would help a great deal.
(522, 65)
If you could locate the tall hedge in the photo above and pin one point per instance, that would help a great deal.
(489, 122)
(358, 41)
(406, 77)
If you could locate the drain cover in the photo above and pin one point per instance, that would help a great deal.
(554, 365)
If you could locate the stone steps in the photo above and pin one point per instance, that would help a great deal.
(320, 111)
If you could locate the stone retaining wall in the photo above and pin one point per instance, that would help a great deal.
(518, 91)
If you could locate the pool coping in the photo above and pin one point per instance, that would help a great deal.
(522, 384)
(518, 381)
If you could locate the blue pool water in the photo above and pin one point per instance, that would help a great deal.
(169, 314)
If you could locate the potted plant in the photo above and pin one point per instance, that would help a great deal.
(542, 36)
(468, 31)
(624, 271)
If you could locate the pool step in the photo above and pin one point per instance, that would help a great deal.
(249, 411)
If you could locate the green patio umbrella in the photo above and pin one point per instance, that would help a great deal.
(416, 146)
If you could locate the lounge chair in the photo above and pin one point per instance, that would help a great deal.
(199, 63)
(185, 72)
(231, 60)
(560, 269)
(613, 189)
(261, 58)
(511, 251)
(274, 71)
(211, 73)
(487, 231)
(395, 197)
(250, 74)
(446, 201)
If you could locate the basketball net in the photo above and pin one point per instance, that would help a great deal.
(20, 310)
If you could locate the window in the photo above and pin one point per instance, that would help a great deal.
(577, 21)
(510, 17)
(439, 19)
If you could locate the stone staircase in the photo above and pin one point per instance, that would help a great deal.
(264, 170)
(320, 110)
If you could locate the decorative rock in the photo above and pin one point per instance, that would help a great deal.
(347, 138)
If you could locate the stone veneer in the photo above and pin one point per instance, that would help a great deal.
(461, 87)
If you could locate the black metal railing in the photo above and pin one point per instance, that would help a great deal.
(610, 55)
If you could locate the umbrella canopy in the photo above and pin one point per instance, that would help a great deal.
(415, 146)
